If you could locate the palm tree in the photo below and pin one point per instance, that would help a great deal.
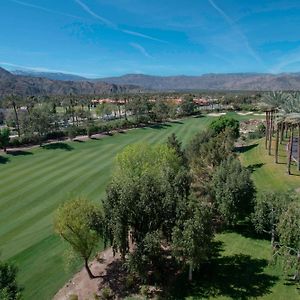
(14, 102)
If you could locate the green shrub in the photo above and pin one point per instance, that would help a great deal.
(106, 293)
(73, 297)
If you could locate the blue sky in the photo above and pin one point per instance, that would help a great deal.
(98, 38)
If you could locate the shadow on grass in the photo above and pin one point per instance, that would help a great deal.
(19, 153)
(176, 122)
(254, 167)
(198, 116)
(78, 141)
(247, 230)
(237, 277)
(4, 160)
(244, 149)
(160, 126)
(55, 146)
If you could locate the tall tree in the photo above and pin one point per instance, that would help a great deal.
(233, 191)
(143, 198)
(4, 138)
(75, 222)
(268, 209)
(193, 233)
(289, 236)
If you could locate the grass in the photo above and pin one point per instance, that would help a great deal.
(34, 182)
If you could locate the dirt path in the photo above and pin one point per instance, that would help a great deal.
(81, 285)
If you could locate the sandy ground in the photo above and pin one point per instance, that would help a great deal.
(262, 114)
(216, 114)
(245, 114)
(81, 285)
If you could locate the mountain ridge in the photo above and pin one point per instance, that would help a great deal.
(29, 85)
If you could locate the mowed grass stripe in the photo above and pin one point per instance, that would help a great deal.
(69, 183)
(54, 170)
(39, 168)
(62, 165)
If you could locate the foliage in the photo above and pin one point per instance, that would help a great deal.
(4, 138)
(9, 288)
(289, 237)
(205, 153)
(268, 209)
(146, 189)
(187, 105)
(233, 191)
(223, 123)
(193, 233)
(75, 222)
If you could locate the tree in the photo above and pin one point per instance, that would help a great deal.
(205, 153)
(222, 123)
(289, 237)
(187, 105)
(13, 101)
(147, 185)
(42, 120)
(268, 208)
(4, 138)
(75, 222)
(9, 288)
(233, 191)
(175, 144)
(193, 233)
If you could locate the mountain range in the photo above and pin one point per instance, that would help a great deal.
(31, 85)
(43, 83)
(239, 81)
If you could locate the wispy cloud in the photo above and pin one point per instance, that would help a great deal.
(107, 22)
(287, 60)
(245, 40)
(93, 14)
(44, 9)
(142, 35)
(42, 69)
(141, 49)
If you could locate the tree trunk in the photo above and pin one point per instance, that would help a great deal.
(270, 133)
(277, 142)
(17, 118)
(267, 129)
(298, 146)
(125, 111)
(290, 152)
(281, 132)
(190, 271)
(296, 275)
(86, 264)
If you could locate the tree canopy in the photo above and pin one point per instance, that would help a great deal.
(225, 122)
(75, 222)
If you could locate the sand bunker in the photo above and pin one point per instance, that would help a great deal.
(216, 114)
(245, 113)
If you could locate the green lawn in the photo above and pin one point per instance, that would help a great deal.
(34, 182)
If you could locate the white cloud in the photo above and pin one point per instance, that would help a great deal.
(141, 49)
(237, 30)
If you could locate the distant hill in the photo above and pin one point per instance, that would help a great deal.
(28, 85)
(50, 75)
(239, 81)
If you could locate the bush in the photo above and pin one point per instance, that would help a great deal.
(223, 123)
(106, 293)
(144, 290)
(73, 297)
(129, 281)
